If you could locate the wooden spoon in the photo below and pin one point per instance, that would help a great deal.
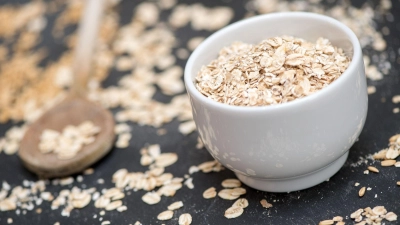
(74, 110)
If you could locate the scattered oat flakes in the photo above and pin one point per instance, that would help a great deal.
(389, 162)
(106, 222)
(228, 194)
(88, 171)
(233, 212)
(361, 192)
(189, 183)
(166, 159)
(100, 181)
(373, 169)
(194, 42)
(265, 204)
(337, 219)
(326, 222)
(396, 110)
(241, 202)
(390, 216)
(209, 193)
(113, 205)
(175, 205)
(166, 215)
(396, 99)
(371, 90)
(187, 127)
(185, 219)
(151, 198)
(231, 183)
(66, 181)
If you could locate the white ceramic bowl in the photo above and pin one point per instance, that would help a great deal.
(295, 145)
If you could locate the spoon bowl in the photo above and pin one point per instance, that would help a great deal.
(71, 111)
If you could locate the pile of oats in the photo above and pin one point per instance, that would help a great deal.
(375, 216)
(70, 141)
(388, 155)
(372, 216)
(275, 71)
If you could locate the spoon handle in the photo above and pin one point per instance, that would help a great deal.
(87, 36)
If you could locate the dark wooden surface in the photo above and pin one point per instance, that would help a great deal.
(338, 196)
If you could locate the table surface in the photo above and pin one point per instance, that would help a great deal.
(337, 197)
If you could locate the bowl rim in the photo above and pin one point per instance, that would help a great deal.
(354, 63)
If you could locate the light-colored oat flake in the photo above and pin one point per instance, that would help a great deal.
(185, 219)
(326, 222)
(166, 215)
(175, 205)
(265, 204)
(231, 183)
(373, 169)
(210, 193)
(151, 198)
(275, 71)
(241, 202)
(361, 192)
(233, 212)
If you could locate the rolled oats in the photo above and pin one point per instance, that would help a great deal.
(151, 198)
(175, 205)
(389, 162)
(396, 99)
(265, 204)
(371, 90)
(185, 219)
(187, 127)
(102, 202)
(233, 212)
(231, 183)
(189, 183)
(361, 192)
(70, 141)
(82, 202)
(194, 42)
(209, 193)
(166, 215)
(390, 216)
(228, 194)
(373, 169)
(113, 205)
(276, 70)
(122, 208)
(326, 222)
(166, 159)
(241, 202)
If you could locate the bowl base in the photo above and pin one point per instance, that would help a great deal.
(295, 183)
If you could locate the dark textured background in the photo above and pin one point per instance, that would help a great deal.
(339, 196)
